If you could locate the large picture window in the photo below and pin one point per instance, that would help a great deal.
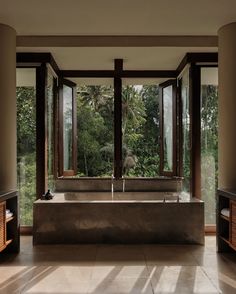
(148, 124)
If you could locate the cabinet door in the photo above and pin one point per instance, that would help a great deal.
(233, 223)
(2, 225)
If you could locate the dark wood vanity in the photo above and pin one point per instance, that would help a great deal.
(9, 222)
(226, 220)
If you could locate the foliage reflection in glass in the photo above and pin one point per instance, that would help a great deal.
(168, 128)
(186, 130)
(67, 126)
(50, 131)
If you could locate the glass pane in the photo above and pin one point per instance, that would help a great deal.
(168, 128)
(209, 141)
(50, 131)
(186, 130)
(67, 126)
(140, 130)
(26, 142)
(95, 127)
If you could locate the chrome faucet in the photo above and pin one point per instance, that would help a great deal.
(112, 184)
(123, 184)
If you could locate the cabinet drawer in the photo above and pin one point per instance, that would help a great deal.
(233, 211)
(2, 225)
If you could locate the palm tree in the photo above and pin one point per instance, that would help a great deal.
(133, 109)
(98, 97)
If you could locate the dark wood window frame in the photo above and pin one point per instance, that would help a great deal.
(39, 60)
(195, 125)
(50, 68)
(162, 86)
(61, 170)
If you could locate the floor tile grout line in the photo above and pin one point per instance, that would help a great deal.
(211, 280)
(200, 266)
(146, 265)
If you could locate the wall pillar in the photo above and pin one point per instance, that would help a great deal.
(227, 106)
(8, 179)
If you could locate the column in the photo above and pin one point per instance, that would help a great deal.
(227, 106)
(8, 179)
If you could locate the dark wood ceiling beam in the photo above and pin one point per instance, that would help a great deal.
(117, 41)
(122, 74)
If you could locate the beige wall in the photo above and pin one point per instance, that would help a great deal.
(7, 108)
(227, 106)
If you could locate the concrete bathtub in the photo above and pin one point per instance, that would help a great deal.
(121, 217)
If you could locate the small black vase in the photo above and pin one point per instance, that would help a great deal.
(48, 195)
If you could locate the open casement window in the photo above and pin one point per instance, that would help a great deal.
(168, 128)
(67, 128)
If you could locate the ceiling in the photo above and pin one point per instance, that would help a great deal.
(117, 18)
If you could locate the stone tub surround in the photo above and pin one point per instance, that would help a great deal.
(136, 217)
(131, 184)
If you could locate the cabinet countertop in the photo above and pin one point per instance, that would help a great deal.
(230, 193)
(4, 195)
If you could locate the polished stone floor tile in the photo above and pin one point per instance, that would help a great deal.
(77, 269)
(168, 255)
(223, 279)
(120, 253)
(61, 279)
(14, 278)
(121, 286)
(180, 279)
(110, 271)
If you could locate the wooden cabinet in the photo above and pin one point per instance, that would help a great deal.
(226, 224)
(9, 225)
(2, 225)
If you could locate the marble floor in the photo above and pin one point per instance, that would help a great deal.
(118, 269)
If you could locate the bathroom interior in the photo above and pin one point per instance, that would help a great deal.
(123, 155)
(118, 154)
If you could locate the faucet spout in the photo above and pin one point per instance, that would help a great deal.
(112, 186)
(123, 184)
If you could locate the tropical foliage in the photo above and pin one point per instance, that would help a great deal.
(209, 149)
(140, 123)
(26, 151)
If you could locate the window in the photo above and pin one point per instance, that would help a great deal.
(185, 130)
(168, 128)
(26, 142)
(140, 130)
(95, 130)
(51, 84)
(67, 129)
(95, 134)
(209, 140)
